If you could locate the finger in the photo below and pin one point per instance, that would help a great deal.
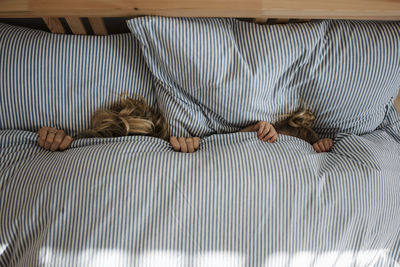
(66, 142)
(326, 145)
(42, 136)
(270, 135)
(189, 144)
(316, 148)
(321, 146)
(267, 130)
(273, 139)
(260, 127)
(327, 142)
(59, 137)
(49, 140)
(182, 143)
(43, 130)
(196, 143)
(330, 144)
(175, 144)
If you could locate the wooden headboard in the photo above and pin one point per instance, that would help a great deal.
(304, 9)
(262, 11)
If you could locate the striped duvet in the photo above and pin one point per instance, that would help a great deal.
(132, 201)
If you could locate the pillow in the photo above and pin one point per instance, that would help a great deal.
(219, 75)
(59, 80)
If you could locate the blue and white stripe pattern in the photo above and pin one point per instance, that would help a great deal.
(217, 75)
(132, 201)
(59, 80)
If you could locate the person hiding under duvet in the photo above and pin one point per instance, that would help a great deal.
(126, 116)
(297, 124)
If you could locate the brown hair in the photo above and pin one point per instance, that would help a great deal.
(298, 124)
(128, 116)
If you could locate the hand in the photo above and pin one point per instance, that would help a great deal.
(323, 145)
(186, 145)
(265, 131)
(53, 139)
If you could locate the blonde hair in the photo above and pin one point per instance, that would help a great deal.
(298, 124)
(128, 116)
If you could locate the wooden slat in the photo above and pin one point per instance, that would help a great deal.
(260, 20)
(299, 20)
(98, 26)
(281, 21)
(54, 25)
(76, 25)
(304, 9)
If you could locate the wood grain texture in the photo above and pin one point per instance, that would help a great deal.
(351, 9)
(76, 25)
(54, 25)
(98, 26)
(14, 5)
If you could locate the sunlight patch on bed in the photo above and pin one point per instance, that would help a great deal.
(165, 258)
(170, 258)
(219, 259)
(89, 257)
(161, 258)
(2, 248)
(330, 258)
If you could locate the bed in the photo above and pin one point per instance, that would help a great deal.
(237, 201)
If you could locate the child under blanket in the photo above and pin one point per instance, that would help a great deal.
(128, 116)
(297, 124)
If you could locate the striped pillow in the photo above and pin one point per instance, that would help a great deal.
(58, 80)
(218, 75)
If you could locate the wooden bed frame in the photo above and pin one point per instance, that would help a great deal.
(337, 9)
(260, 11)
